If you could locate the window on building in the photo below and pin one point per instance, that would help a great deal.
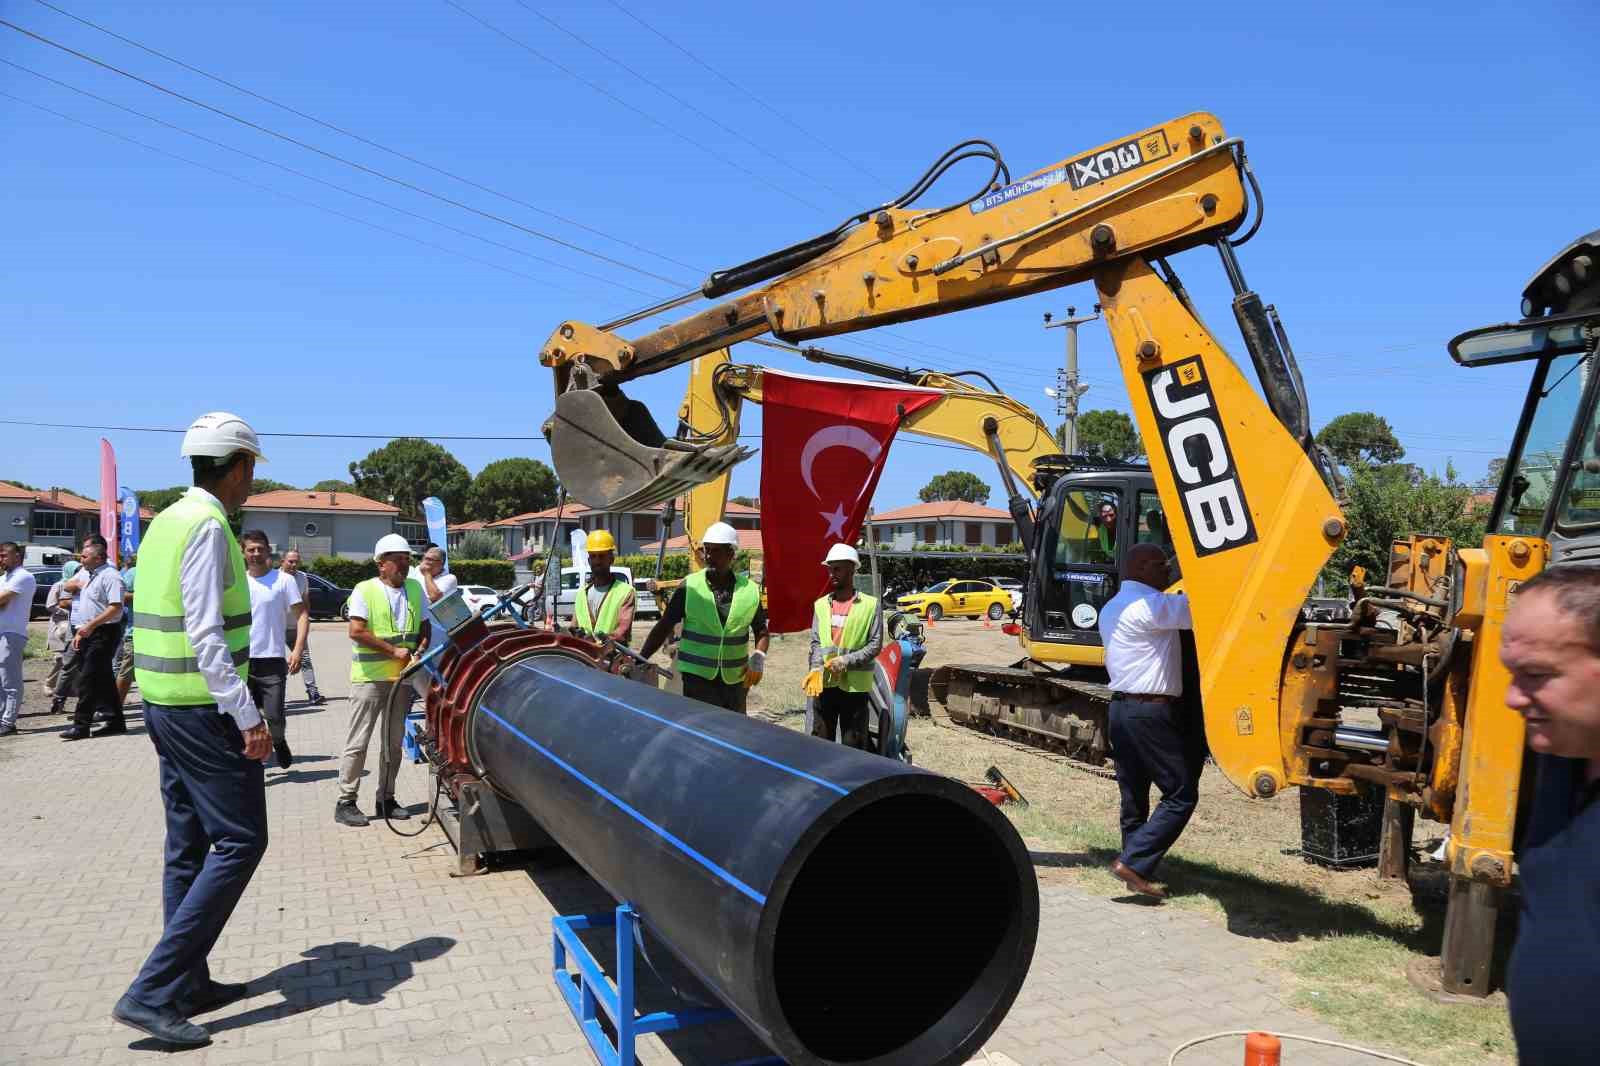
(644, 527)
(974, 532)
(930, 534)
(1005, 533)
(48, 523)
(311, 529)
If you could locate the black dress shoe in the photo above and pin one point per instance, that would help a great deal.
(75, 734)
(111, 729)
(217, 996)
(7, 730)
(166, 1025)
(388, 808)
(285, 756)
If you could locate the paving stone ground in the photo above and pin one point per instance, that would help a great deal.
(362, 948)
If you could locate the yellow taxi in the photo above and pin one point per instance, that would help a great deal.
(962, 596)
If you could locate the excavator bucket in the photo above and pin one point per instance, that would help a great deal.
(611, 455)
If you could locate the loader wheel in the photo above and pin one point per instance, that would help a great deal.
(996, 612)
(935, 612)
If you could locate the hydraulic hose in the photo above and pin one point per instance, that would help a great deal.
(384, 755)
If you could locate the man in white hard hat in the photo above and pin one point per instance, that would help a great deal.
(191, 652)
(721, 612)
(846, 636)
(386, 631)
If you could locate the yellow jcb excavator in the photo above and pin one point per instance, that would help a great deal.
(1253, 518)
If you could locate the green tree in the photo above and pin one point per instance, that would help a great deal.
(1361, 437)
(333, 484)
(481, 544)
(266, 484)
(955, 485)
(1105, 434)
(748, 501)
(509, 487)
(160, 499)
(1382, 503)
(407, 470)
(23, 485)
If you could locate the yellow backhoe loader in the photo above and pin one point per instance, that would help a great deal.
(1239, 486)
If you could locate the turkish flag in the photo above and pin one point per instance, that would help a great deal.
(823, 446)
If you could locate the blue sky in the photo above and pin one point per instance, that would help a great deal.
(1417, 168)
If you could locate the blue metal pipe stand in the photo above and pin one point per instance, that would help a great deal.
(589, 991)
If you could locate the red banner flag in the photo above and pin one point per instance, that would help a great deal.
(108, 499)
(824, 443)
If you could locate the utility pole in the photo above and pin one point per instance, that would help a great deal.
(1068, 388)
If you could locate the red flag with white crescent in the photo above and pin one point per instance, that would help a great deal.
(108, 499)
(823, 446)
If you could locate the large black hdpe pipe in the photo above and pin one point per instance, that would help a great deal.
(850, 908)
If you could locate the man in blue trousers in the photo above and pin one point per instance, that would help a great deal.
(191, 653)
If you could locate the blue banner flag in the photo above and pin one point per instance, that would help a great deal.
(438, 532)
(127, 522)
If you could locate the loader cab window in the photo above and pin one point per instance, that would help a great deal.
(1088, 529)
(1535, 478)
(1153, 528)
(1580, 501)
(1081, 549)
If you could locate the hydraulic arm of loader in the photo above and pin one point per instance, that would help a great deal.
(1259, 520)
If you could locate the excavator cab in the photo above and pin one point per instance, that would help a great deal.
(1088, 518)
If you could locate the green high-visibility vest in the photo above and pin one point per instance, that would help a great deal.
(618, 594)
(369, 665)
(713, 647)
(164, 661)
(856, 626)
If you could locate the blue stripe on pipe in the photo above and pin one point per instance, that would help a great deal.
(692, 732)
(626, 809)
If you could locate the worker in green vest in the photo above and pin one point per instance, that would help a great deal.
(386, 633)
(191, 653)
(846, 636)
(721, 614)
(603, 607)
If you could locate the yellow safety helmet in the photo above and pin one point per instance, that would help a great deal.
(600, 540)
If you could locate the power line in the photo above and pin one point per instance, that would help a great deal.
(669, 94)
(288, 196)
(321, 181)
(403, 183)
(608, 94)
(743, 91)
(398, 154)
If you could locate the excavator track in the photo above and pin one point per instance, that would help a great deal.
(1045, 715)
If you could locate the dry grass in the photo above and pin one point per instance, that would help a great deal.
(1342, 938)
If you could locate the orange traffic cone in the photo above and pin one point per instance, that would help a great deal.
(988, 624)
(929, 621)
(1262, 1049)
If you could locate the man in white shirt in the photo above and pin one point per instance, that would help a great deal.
(16, 603)
(275, 609)
(308, 672)
(436, 585)
(191, 635)
(97, 608)
(1153, 739)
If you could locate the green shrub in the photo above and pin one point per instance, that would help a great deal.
(346, 573)
(495, 573)
(481, 544)
(675, 567)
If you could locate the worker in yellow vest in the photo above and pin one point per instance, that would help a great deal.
(603, 607)
(846, 636)
(721, 614)
(386, 632)
(191, 656)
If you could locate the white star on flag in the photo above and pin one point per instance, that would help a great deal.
(836, 521)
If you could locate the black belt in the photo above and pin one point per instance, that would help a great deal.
(1146, 697)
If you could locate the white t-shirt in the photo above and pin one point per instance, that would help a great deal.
(446, 584)
(399, 606)
(14, 615)
(271, 596)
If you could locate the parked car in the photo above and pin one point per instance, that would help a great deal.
(40, 556)
(570, 576)
(959, 597)
(644, 598)
(327, 599)
(479, 597)
(1012, 585)
(44, 576)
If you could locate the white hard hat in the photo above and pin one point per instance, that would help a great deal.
(843, 553)
(721, 533)
(390, 542)
(220, 434)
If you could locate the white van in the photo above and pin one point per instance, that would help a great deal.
(45, 555)
(570, 577)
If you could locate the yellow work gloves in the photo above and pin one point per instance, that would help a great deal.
(812, 685)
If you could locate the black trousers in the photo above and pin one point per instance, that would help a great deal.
(269, 679)
(1154, 743)
(97, 682)
(216, 806)
(839, 712)
(706, 690)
